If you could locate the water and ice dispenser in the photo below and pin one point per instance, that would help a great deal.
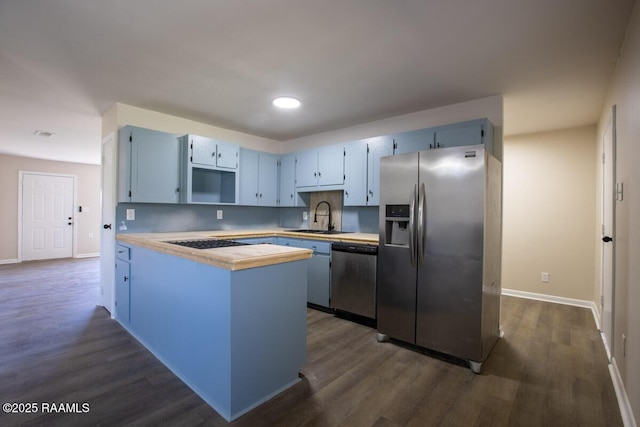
(397, 225)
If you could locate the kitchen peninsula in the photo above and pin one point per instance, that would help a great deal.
(230, 322)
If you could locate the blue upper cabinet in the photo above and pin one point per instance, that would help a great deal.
(377, 148)
(355, 170)
(287, 194)
(320, 169)
(258, 178)
(466, 133)
(362, 170)
(212, 153)
(412, 141)
(148, 166)
(210, 170)
(454, 135)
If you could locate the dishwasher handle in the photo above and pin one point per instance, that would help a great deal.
(355, 248)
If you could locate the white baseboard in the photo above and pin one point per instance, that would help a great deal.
(9, 261)
(89, 255)
(558, 300)
(621, 393)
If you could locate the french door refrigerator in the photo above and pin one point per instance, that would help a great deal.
(439, 255)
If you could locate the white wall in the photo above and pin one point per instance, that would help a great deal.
(121, 114)
(548, 217)
(625, 94)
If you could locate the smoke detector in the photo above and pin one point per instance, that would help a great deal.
(43, 133)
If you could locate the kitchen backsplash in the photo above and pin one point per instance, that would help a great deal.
(152, 217)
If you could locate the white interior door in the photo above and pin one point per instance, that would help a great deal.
(47, 215)
(108, 241)
(608, 215)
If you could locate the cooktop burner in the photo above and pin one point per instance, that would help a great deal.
(207, 244)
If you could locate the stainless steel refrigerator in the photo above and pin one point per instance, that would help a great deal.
(439, 255)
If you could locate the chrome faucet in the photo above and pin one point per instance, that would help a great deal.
(315, 215)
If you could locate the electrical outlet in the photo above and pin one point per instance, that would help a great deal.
(219, 214)
(131, 214)
(544, 277)
(304, 215)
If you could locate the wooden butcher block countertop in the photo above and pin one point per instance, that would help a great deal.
(238, 257)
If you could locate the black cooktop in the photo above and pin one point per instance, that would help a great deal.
(207, 244)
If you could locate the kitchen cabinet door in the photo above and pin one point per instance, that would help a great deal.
(148, 166)
(249, 160)
(307, 169)
(472, 132)
(258, 178)
(457, 136)
(377, 148)
(123, 283)
(355, 170)
(268, 179)
(203, 150)
(331, 165)
(412, 141)
(287, 181)
(319, 280)
(227, 155)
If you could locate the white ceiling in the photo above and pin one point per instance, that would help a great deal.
(63, 63)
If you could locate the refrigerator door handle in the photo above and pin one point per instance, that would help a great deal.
(412, 227)
(421, 225)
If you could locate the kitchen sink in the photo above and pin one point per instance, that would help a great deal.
(308, 230)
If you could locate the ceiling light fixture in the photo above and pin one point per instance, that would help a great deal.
(287, 102)
(43, 133)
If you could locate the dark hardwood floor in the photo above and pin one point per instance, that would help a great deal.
(57, 347)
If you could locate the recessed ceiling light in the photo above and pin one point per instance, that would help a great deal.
(286, 102)
(44, 134)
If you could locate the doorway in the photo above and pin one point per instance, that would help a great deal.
(46, 215)
(108, 241)
(607, 291)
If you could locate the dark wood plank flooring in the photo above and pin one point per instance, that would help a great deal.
(57, 347)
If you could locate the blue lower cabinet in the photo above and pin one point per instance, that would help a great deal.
(237, 338)
(319, 276)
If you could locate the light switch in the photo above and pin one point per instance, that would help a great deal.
(131, 214)
(219, 214)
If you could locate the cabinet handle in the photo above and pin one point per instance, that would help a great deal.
(370, 193)
(319, 174)
(346, 193)
(213, 154)
(261, 195)
(219, 155)
(256, 195)
(292, 195)
(126, 278)
(315, 174)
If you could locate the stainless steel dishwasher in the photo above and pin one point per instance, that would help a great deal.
(353, 278)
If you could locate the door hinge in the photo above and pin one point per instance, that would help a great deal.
(130, 138)
(344, 152)
(191, 159)
(482, 133)
(129, 193)
(367, 148)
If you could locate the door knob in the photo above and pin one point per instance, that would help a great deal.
(607, 239)
(107, 226)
